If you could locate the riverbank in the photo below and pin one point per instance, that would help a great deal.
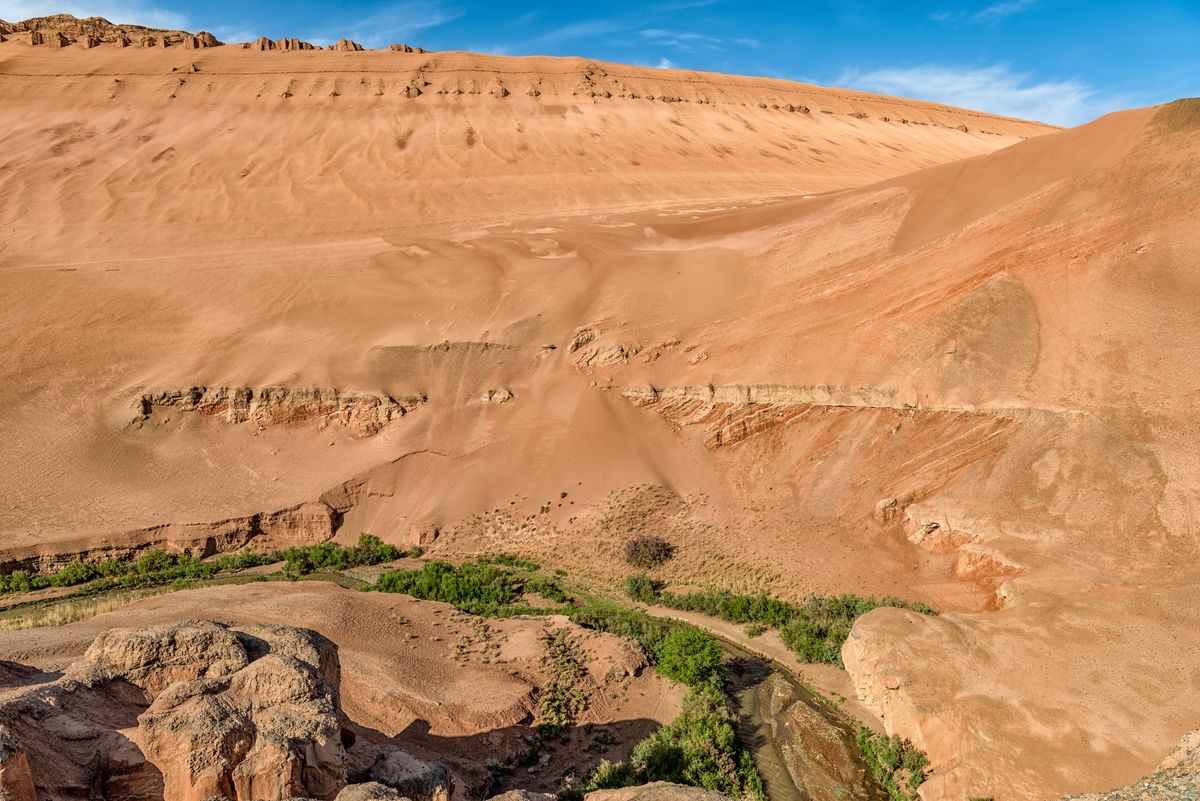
(828, 680)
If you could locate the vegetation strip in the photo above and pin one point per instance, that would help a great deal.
(156, 567)
(814, 631)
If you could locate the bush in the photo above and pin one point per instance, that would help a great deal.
(647, 551)
(896, 764)
(370, 550)
(699, 748)
(689, 656)
(548, 588)
(74, 573)
(641, 587)
(479, 589)
(755, 630)
(610, 776)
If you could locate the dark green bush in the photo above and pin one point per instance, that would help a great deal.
(330, 556)
(548, 588)
(898, 765)
(479, 589)
(641, 587)
(699, 748)
(689, 656)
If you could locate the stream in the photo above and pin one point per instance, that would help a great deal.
(803, 746)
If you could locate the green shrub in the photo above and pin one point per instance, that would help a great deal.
(74, 573)
(548, 588)
(479, 589)
(610, 776)
(699, 748)
(898, 765)
(689, 656)
(755, 630)
(641, 587)
(648, 551)
(370, 550)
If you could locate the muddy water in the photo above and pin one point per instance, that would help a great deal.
(803, 748)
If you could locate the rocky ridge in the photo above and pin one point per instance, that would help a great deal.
(362, 414)
(60, 30)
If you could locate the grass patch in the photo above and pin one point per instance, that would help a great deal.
(898, 765)
(561, 700)
(814, 630)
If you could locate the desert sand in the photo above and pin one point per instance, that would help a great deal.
(535, 304)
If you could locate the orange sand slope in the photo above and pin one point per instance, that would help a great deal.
(126, 149)
(972, 384)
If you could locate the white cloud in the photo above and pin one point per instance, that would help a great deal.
(1003, 10)
(682, 40)
(996, 12)
(128, 12)
(581, 30)
(665, 64)
(993, 89)
(396, 22)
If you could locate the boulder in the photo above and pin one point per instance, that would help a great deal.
(345, 45)
(414, 778)
(371, 791)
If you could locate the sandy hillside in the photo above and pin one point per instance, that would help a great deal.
(271, 297)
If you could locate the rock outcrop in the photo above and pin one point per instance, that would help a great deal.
(346, 45)
(403, 48)
(363, 415)
(304, 524)
(61, 30)
(183, 712)
(192, 711)
(369, 791)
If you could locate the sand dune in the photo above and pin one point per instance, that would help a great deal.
(819, 351)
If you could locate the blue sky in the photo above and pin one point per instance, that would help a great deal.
(1062, 61)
